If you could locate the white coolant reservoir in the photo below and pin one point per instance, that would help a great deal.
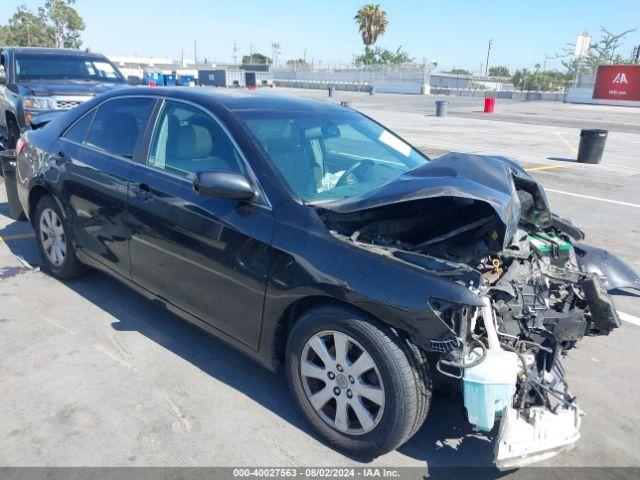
(489, 386)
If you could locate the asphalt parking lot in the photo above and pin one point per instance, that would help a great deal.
(91, 374)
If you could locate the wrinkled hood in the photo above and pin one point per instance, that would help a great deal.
(68, 87)
(497, 181)
(45, 118)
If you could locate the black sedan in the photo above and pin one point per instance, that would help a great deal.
(324, 246)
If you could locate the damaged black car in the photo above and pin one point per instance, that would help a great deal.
(331, 251)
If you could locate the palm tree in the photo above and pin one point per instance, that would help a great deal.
(372, 22)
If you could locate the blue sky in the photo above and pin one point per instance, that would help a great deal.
(455, 33)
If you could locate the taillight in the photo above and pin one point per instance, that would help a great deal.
(20, 146)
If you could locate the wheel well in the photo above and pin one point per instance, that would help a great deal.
(11, 119)
(292, 313)
(35, 195)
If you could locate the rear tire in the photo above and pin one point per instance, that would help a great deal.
(395, 390)
(53, 237)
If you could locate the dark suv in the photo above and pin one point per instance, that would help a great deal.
(37, 81)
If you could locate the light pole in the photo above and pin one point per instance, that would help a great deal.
(427, 65)
(486, 67)
(583, 43)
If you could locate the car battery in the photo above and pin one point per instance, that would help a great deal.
(550, 247)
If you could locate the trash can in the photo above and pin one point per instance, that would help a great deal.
(372, 90)
(8, 159)
(441, 108)
(489, 104)
(591, 145)
(331, 90)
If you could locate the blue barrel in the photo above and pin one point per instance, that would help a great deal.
(184, 80)
(170, 80)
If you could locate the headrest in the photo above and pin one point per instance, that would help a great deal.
(122, 134)
(189, 141)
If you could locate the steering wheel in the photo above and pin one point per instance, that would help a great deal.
(364, 165)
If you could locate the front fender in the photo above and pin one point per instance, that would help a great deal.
(618, 274)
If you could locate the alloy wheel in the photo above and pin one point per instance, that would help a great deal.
(52, 237)
(342, 382)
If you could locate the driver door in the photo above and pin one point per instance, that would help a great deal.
(207, 256)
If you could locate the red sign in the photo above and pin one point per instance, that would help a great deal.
(618, 82)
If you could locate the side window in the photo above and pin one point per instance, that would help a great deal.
(118, 124)
(187, 140)
(78, 133)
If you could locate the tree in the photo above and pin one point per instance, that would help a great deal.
(56, 24)
(499, 71)
(26, 28)
(256, 59)
(382, 56)
(603, 52)
(65, 23)
(298, 63)
(4, 35)
(548, 81)
(459, 71)
(372, 22)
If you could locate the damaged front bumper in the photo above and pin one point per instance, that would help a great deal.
(536, 434)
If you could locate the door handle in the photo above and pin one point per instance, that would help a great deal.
(142, 191)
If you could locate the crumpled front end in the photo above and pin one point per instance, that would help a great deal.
(538, 304)
(542, 290)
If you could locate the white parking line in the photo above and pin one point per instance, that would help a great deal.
(626, 204)
(629, 318)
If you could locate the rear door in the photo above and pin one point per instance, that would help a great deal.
(208, 256)
(95, 157)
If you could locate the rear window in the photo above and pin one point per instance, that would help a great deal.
(78, 132)
(65, 67)
(118, 124)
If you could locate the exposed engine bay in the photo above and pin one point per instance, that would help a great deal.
(484, 223)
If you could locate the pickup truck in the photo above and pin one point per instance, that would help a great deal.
(42, 82)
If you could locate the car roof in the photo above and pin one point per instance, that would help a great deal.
(52, 51)
(235, 99)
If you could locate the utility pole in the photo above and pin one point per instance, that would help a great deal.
(235, 53)
(275, 49)
(636, 54)
(195, 52)
(486, 67)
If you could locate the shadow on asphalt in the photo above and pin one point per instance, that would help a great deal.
(446, 439)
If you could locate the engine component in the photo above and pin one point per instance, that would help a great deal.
(489, 385)
(550, 247)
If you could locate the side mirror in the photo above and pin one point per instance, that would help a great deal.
(223, 184)
(134, 80)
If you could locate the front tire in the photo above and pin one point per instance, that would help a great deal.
(361, 385)
(53, 237)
